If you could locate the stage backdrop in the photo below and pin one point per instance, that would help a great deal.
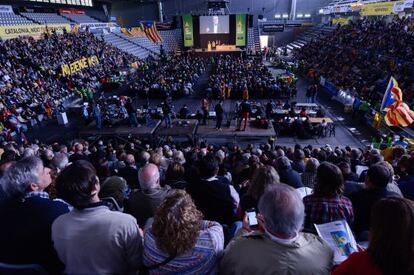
(201, 40)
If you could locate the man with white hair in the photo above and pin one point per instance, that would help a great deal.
(27, 217)
(278, 246)
(142, 204)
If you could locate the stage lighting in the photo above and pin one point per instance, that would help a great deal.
(285, 16)
(307, 15)
(277, 15)
(299, 15)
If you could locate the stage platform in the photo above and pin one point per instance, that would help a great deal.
(180, 128)
(143, 131)
(208, 131)
(205, 52)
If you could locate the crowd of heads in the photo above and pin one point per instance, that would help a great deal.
(172, 76)
(169, 190)
(31, 80)
(238, 74)
(362, 56)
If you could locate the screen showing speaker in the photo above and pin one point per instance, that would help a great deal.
(214, 24)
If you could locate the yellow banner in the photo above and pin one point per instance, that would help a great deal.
(341, 21)
(8, 32)
(384, 8)
(78, 65)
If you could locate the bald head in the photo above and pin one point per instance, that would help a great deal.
(130, 160)
(149, 177)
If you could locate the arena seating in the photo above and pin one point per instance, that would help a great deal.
(314, 33)
(13, 19)
(46, 18)
(172, 40)
(125, 45)
(80, 18)
(143, 42)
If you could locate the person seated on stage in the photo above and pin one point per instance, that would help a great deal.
(184, 112)
(303, 112)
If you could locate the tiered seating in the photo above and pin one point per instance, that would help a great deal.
(126, 45)
(80, 18)
(144, 42)
(13, 19)
(46, 18)
(313, 33)
(172, 40)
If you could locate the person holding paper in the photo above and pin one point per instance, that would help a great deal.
(390, 250)
(327, 204)
(278, 246)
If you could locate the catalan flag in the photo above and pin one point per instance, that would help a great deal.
(151, 31)
(397, 112)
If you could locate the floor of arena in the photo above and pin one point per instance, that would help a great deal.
(347, 131)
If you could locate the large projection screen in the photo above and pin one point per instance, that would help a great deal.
(214, 24)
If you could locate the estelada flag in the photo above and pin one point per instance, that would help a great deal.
(151, 31)
(398, 113)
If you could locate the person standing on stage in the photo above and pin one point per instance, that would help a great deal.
(219, 114)
(131, 113)
(166, 109)
(245, 113)
(204, 107)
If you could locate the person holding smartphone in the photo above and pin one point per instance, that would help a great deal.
(277, 244)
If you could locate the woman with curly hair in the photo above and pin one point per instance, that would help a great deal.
(180, 241)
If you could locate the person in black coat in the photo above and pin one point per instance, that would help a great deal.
(287, 174)
(219, 114)
(130, 172)
(27, 216)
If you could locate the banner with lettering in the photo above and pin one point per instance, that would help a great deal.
(384, 8)
(9, 32)
(78, 65)
(188, 30)
(341, 21)
(240, 30)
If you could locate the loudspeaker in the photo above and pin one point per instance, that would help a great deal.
(260, 16)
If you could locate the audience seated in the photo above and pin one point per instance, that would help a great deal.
(378, 176)
(214, 196)
(179, 241)
(143, 203)
(27, 217)
(278, 247)
(92, 239)
(130, 172)
(327, 204)
(287, 174)
(309, 175)
(390, 250)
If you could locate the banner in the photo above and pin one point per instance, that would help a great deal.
(94, 26)
(341, 21)
(271, 28)
(6, 9)
(71, 11)
(188, 31)
(240, 30)
(78, 65)
(399, 7)
(9, 32)
(384, 8)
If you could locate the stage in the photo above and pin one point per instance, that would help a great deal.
(208, 132)
(206, 52)
(142, 131)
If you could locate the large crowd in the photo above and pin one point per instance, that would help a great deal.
(117, 208)
(361, 57)
(239, 77)
(171, 76)
(32, 86)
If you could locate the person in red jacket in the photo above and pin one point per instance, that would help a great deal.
(391, 247)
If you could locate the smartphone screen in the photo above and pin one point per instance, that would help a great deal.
(251, 216)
